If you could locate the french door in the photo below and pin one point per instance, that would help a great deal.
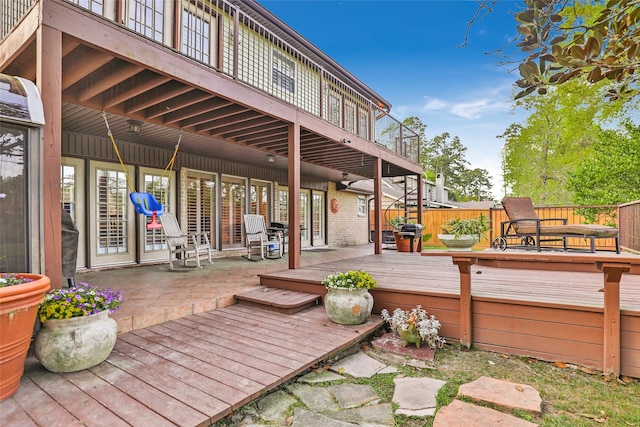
(112, 215)
(162, 186)
(233, 201)
(201, 205)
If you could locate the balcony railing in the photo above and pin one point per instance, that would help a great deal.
(229, 40)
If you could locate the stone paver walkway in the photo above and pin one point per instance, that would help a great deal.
(314, 400)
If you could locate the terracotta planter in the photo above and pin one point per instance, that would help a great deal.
(69, 345)
(18, 310)
(403, 244)
(347, 307)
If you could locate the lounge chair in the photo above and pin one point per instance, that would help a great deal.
(258, 237)
(525, 226)
(187, 246)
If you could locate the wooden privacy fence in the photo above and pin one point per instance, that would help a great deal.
(629, 220)
(433, 219)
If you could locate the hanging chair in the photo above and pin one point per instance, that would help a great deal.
(147, 205)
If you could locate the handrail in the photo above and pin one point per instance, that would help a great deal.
(307, 79)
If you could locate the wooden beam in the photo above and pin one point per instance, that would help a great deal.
(294, 196)
(611, 343)
(464, 263)
(377, 205)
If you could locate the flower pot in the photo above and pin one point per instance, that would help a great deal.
(347, 307)
(69, 345)
(410, 336)
(463, 243)
(18, 309)
(403, 244)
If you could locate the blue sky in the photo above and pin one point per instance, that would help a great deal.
(410, 53)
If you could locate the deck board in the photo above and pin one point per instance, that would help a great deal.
(189, 372)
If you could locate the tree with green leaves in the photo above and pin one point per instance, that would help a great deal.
(611, 174)
(540, 153)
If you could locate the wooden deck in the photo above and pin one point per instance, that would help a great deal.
(188, 372)
(550, 314)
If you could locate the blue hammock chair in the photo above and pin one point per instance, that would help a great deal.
(147, 205)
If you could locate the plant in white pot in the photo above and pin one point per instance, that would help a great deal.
(77, 331)
(459, 235)
(348, 301)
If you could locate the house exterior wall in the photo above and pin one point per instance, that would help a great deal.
(347, 227)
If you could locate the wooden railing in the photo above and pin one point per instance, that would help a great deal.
(246, 52)
(432, 220)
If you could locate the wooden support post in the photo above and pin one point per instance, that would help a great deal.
(464, 264)
(612, 275)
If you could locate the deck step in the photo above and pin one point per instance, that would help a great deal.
(280, 300)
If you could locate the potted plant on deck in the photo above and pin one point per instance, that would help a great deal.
(414, 326)
(77, 331)
(459, 235)
(20, 296)
(403, 243)
(348, 301)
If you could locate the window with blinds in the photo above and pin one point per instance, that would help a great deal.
(283, 206)
(68, 189)
(112, 197)
(158, 186)
(260, 199)
(232, 198)
(283, 72)
(200, 204)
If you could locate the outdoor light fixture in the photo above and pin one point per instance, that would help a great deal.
(135, 127)
(346, 141)
(271, 158)
(345, 176)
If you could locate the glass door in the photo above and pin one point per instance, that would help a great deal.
(202, 205)
(162, 186)
(233, 201)
(305, 218)
(111, 212)
(318, 219)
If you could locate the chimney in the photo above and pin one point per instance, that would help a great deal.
(440, 188)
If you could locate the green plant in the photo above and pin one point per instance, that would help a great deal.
(80, 300)
(397, 221)
(351, 280)
(416, 320)
(474, 226)
(11, 279)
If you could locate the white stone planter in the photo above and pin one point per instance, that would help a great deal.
(462, 243)
(69, 345)
(347, 307)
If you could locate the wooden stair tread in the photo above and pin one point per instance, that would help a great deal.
(278, 298)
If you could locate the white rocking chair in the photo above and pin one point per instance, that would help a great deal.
(189, 246)
(257, 237)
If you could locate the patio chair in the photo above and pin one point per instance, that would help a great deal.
(524, 224)
(187, 246)
(257, 236)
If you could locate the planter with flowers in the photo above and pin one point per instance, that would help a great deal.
(348, 301)
(20, 296)
(414, 326)
(77, 331)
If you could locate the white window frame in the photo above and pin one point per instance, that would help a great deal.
(283, 72)
(362, 205)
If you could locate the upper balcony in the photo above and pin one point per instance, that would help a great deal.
(247, 44)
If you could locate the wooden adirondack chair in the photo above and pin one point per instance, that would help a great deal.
(188, 246)
(258, 237)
